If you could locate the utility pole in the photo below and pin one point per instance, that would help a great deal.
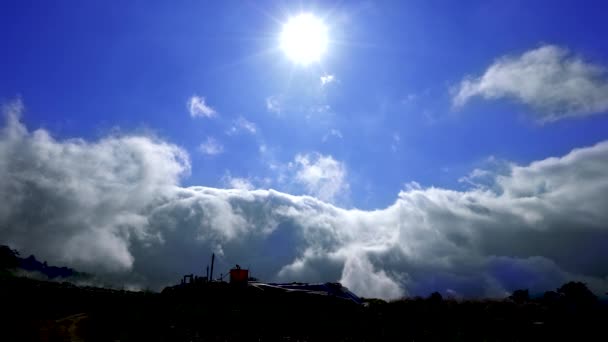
(212, 261)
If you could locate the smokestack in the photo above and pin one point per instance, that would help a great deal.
(212, 261)
(207, 272)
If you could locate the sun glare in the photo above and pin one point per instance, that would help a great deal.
(304, 39)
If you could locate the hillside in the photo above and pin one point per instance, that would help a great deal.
(50, 311)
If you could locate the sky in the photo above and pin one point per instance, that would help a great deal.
(458, 147)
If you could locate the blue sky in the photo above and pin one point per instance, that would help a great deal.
(84, 70)
(432, 92)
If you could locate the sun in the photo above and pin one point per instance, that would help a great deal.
(304, 39)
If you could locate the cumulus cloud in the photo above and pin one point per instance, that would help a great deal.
(115, 207)
(242, 125)
(198, 107)
(321, 175)
(211, 147)
(550, 79)
(81, 202)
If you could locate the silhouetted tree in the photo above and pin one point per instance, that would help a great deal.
(577, 293)
(520, 296)
(9, 258)
(435, 297)
(551, 297)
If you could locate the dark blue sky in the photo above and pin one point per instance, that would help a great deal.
(88, 69)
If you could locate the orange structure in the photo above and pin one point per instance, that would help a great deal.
(238, 275)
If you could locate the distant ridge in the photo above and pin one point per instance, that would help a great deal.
(9, 259)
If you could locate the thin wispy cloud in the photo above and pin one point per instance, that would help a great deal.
(273, 104)
(553, 81)
(242, 125)
(396, 140)
(198, 108)
(410, 98)
(335, 133)
(211, 147)
(263, 148)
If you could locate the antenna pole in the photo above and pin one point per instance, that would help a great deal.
(212, 262)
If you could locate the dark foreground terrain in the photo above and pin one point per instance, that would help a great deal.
(35, 310)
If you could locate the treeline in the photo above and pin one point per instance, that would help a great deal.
(571, 312)
(38, 310)
(10, 260)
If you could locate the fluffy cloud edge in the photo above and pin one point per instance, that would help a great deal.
(553, 81)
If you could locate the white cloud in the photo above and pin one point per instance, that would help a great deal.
(322, 176)
(359, 273)
(242, 125)
(332, 133)
(327, 78)
(245, 183)
(396, 141)
(263, 148)
(310, 107)
(116, 207)
(79, 202)
(556, 83)
(410, 98)
(237, 182)
(323, 108)
(241, 183)
(198, 107)
(273, 104)
(211, 147)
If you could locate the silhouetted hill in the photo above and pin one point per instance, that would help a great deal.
(9, 259)
(52, 311)
(35, 310)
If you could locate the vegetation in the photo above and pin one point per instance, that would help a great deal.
(10, 260)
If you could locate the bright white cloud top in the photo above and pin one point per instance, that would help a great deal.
(304, 39)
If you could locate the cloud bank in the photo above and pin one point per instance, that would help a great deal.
(550, 79)
(115, 207)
